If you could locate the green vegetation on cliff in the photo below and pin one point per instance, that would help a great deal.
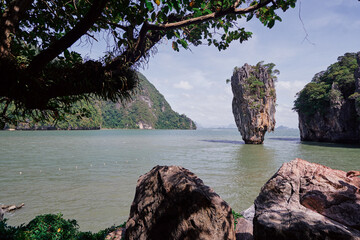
(84, 115)
(329, 87)
(148, 109)
(254, 87)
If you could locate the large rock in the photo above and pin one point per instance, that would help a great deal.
(244, 226)
(173, 203)
(2, 212)
(254, 102)
(337, 118)
(357, 84)
(308, 201)
(337, 125)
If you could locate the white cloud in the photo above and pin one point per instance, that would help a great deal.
(293, 86)
(323, 21)
(186, 95)
(356, 24)
(286, 116)
(183, 85)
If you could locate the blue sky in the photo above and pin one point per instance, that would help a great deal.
(193, 82)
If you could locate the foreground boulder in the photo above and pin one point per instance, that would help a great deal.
(173, 203)
(1, 214)
(244, 226)
(308, 201)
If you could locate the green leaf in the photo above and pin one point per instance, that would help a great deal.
(153, 16)
(249, 17)
(271, 23)
(183, 43)
(67, 54)
(175, 46)
(166, 9)
(169, 34)
(149, 6)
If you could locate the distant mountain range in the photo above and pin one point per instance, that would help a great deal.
(147, 110)
(233, 126)
(281, 127)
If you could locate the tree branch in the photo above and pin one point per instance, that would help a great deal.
(70, 38)
(125, 28)
(214, 15)
(144, 43)
(151, 32)
(9, 22)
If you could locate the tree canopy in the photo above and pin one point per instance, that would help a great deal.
(40, 76)
(330, 86)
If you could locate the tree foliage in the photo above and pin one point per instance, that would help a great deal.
(51, 227)
(82, 115)
(330, 86)
(41, 76)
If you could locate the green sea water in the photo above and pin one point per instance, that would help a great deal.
(91, 176)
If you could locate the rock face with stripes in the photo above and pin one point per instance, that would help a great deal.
(254, 101)
(173, 203)
(308, 201)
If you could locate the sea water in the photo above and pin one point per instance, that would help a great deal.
(91, 176)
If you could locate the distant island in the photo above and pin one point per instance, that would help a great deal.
(281, 127)
(148, 109)
(254, 100)
(329, 106)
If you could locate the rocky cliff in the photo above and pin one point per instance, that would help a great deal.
(254, 101)
(147, 110)
(329, 106)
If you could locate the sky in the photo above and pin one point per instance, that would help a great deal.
(310, 38)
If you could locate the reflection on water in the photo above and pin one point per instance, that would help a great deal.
(224, 141)
(285, 139)
(332, 145)
(91, 176)
(253, 166)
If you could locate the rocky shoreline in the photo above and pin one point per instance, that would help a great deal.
(302, 200)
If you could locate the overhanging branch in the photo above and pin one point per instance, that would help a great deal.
(125, 28)
(70, 38)
(214, 15)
